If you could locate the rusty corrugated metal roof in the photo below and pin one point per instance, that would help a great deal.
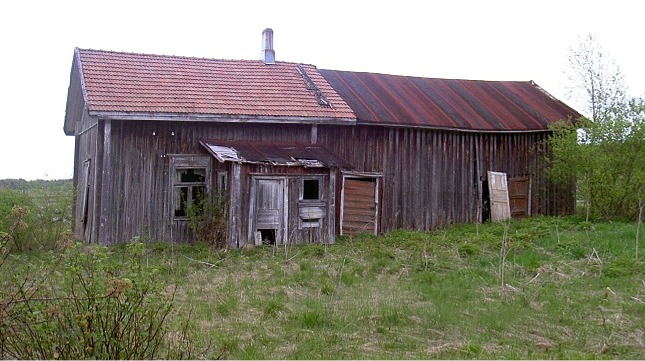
(448, 103)
(159, 84)
(275, 153)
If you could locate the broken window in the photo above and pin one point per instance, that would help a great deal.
(189, 182)
(310, 208)
(311, 189)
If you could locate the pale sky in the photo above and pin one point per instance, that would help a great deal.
(486, 40)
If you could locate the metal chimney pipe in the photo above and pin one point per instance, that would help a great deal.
(268, 54)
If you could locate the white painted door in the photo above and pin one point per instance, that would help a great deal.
(499, 202)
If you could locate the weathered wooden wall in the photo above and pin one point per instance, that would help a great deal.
(137, 194)
(86, 144)
(293, 176)
(431, 177)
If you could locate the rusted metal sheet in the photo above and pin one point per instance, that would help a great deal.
(275, 153)
(448, 103)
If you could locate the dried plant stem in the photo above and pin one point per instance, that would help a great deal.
(641, 208)
(502, 253)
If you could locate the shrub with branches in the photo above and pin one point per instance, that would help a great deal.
(88, 306)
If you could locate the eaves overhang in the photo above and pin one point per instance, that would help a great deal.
(223, 118)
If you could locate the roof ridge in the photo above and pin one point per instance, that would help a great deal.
(427, 77)
(181, 57)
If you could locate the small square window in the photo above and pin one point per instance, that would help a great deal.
(311, 189)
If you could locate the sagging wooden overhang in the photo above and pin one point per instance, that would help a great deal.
(277, 191)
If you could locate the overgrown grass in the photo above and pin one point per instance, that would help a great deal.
(571, 289)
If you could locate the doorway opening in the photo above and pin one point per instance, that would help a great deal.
(267, 236)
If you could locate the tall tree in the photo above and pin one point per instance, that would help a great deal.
(595, 79)
(606, 152)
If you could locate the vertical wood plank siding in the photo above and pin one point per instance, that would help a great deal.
(85, 149)
(293, 178)
(138, 201)
(431, 177)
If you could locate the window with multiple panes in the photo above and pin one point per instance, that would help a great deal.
(190, 176)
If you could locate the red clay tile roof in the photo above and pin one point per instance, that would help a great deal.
(449, 104)
(115, 82)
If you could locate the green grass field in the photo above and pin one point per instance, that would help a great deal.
(532, 289)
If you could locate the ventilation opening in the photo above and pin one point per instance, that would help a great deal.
(268, 236)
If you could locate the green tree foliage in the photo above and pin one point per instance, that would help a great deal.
(605, 152)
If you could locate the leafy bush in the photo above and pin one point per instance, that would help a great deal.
(96, 308)
(48, 205)
(208, 220)
(10, 202)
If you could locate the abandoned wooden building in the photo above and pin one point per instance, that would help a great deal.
(300, 154)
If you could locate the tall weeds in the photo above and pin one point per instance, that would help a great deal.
(85, 305)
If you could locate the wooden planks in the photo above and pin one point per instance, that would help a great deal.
(519, 189)
(499, 203)
(359, 206)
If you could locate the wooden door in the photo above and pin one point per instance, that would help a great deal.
(267, 211)
(499, 201)
(359, 208)
(520, 196)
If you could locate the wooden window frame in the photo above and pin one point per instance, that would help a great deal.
(301, 195)
(186, 162)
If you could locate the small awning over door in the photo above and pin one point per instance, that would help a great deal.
(275, 153)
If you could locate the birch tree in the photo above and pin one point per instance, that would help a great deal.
(604, 151)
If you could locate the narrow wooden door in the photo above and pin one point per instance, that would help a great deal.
(520, 196)
(359, 212)
(268, 211)
(498, 191)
